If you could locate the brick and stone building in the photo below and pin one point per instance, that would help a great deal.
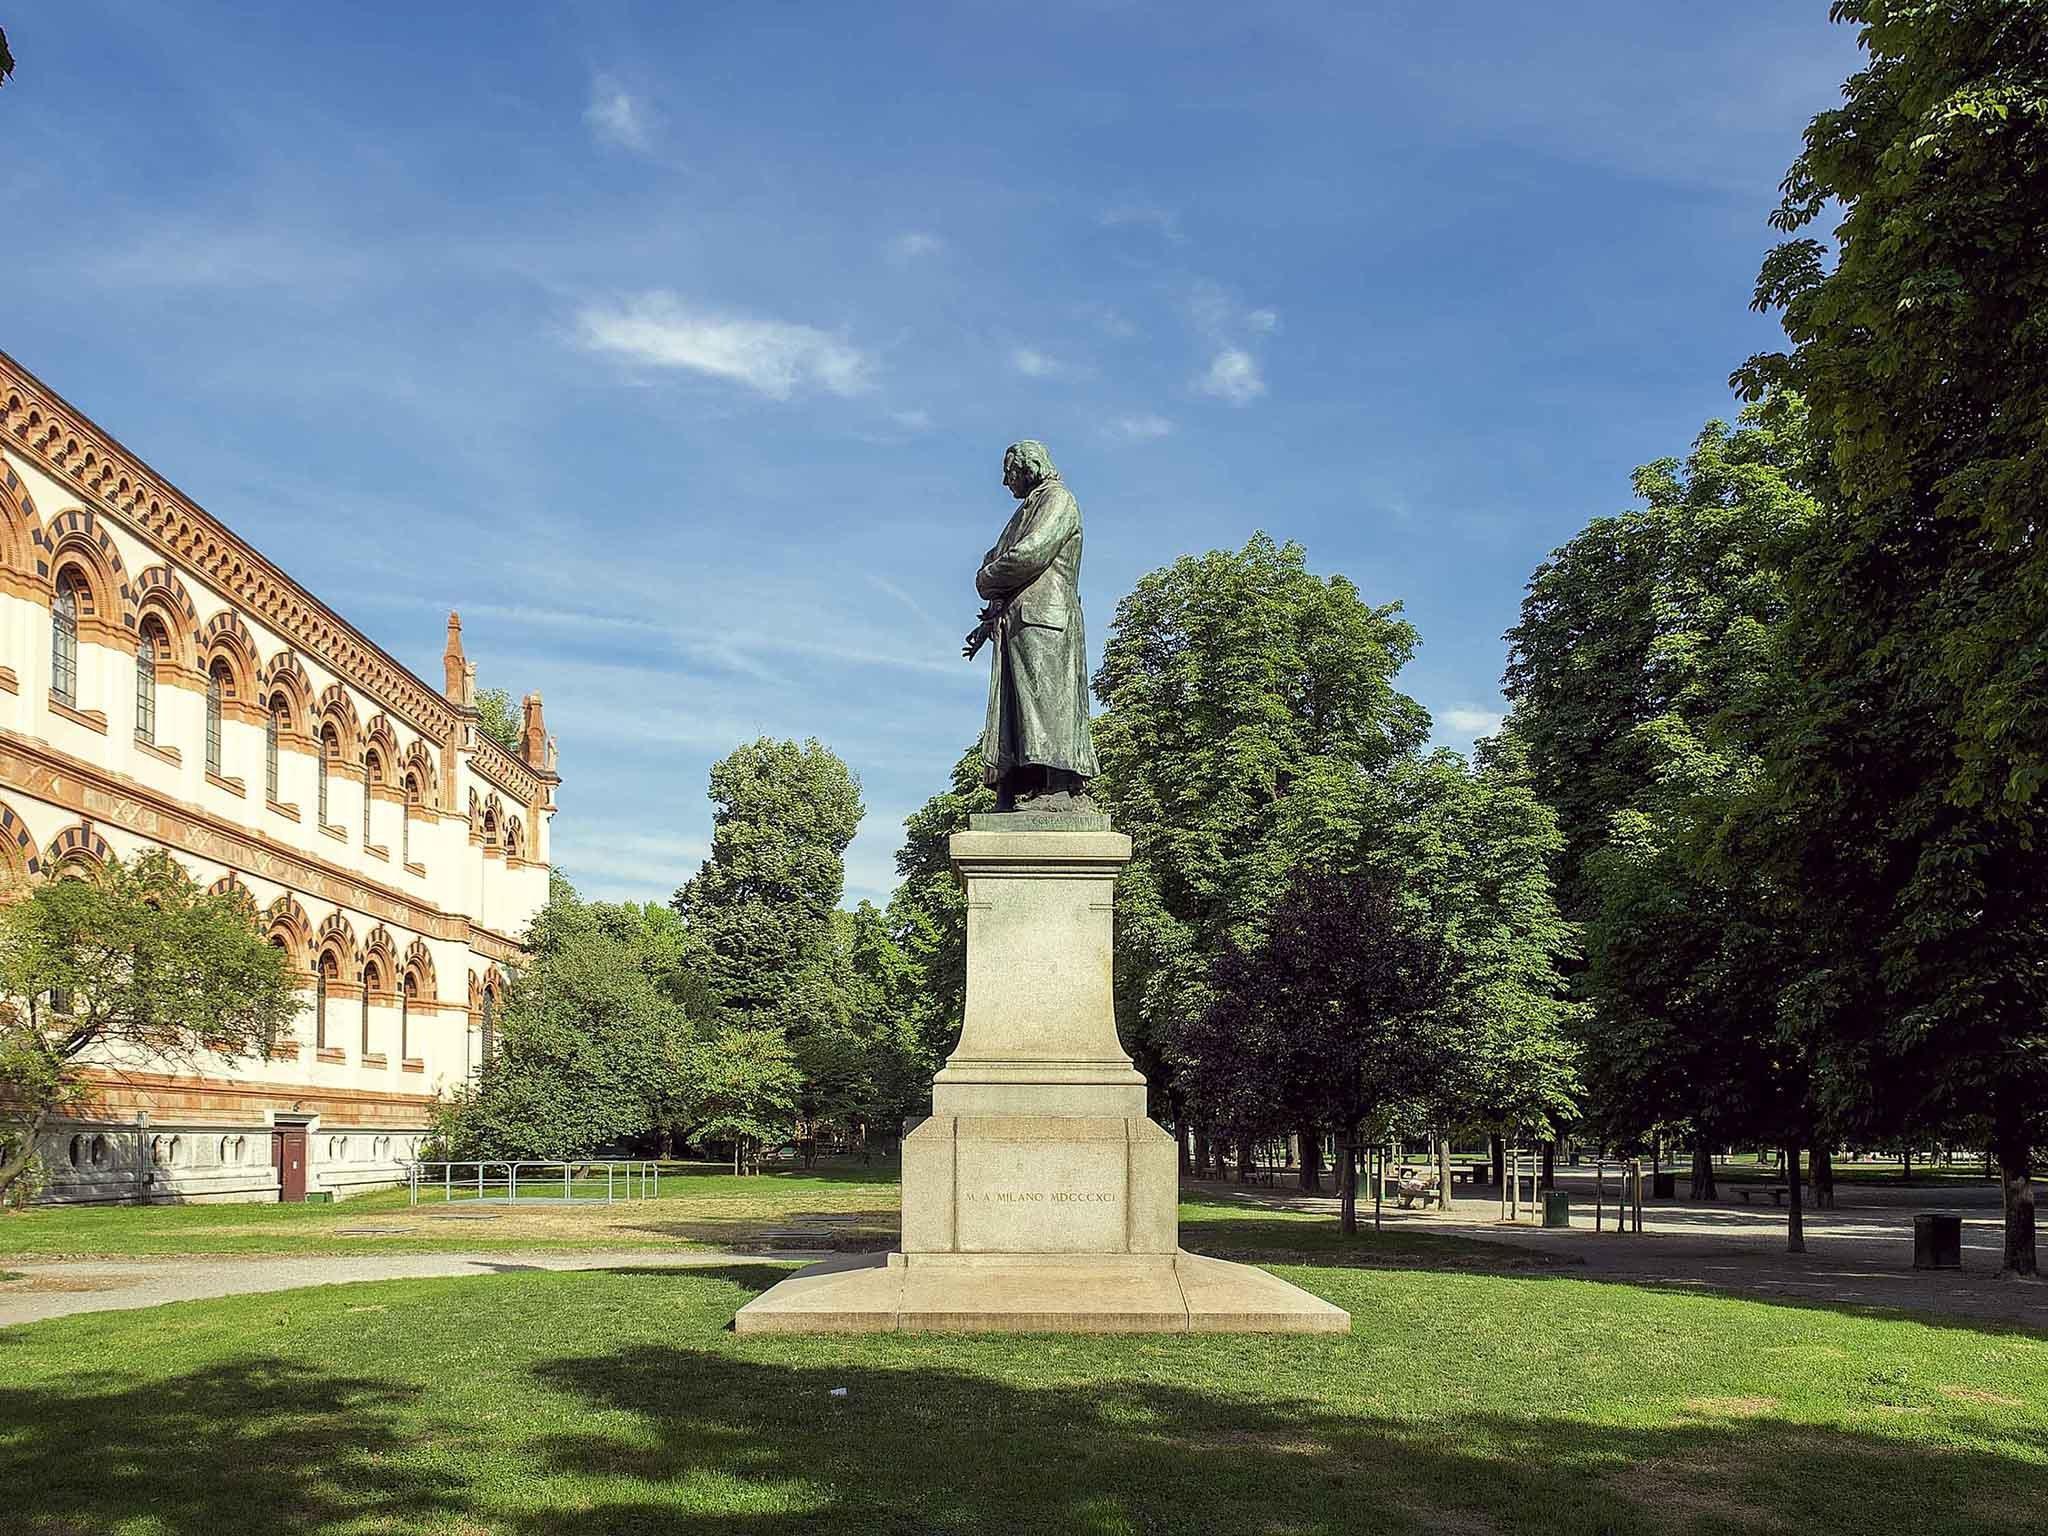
(163, 684)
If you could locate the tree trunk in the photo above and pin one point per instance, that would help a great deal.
(1183, 1136)
(2016, 1175)
(1201, 1153)
(1443, 1174)
(1245, 1147)
(1822, 1179)
(1311, 1138)
(1906, 1166)
(1500, 1162)
(1347, 1180)
(1703, 1170)
(1549, 1179)
(17, 1165)
(1795, 1224)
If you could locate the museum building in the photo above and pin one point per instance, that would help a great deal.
(164, 685)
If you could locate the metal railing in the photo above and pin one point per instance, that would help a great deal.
(535, 1181)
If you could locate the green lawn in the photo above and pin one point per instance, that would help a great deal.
(618, 1402)
(699, 1206)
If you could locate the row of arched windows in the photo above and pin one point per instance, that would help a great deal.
(327, 975)
(74, 602)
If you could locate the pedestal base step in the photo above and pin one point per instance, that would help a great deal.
(1034, 1293)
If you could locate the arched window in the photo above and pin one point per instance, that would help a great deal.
(373, 773)
(217, 684)
(373, 979)
(330, 748)
(328, 971)
(405, 1020)
(64, 640)
(273, 726)
(152, 647)
(412, 798)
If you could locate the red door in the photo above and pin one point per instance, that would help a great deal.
(288, 1152)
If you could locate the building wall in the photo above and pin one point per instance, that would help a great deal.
(426, 895)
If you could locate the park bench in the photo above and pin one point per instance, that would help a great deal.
(1777, 1192)
(1411, 1185)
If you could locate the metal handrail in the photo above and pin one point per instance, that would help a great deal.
(624, 1179)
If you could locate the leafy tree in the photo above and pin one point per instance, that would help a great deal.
(760, 907)
(1646, 673)
(133, 964)
(498, 718)
(597, 1037)
(1242, 694)
(748, 1085)
(927, 916)
(6, 59)
(1912, 766)
(1338, 1006)
(1470, 848)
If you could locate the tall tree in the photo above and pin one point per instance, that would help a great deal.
(1246, 701)
(1913, 768)
(1472, 847)
(133, 963)
(597, 1036)
(1646, 673)
(1337, 1008)
(927, 914)
(761, 905)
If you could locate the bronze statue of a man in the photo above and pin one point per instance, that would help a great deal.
(1036, 749)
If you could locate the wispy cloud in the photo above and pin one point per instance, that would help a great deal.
(776, 358)
(1467, 721)
(1145, 427)
(618, 118)
(1233, 375)
(914, 245)
(912, 421)
(1032, 363)
(1137, 212)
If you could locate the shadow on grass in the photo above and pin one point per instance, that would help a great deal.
(752, 1447)
(744, 1438)
(237, 1447)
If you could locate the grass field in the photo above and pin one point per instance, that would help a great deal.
(616, 1402)
(699, 1206)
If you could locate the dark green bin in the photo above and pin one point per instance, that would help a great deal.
(1557, 1208)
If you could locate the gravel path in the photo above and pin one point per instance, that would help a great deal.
(62, 1288)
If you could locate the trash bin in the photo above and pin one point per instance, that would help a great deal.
(1937, 1241)
(319, 1197)
(1664, 1186)
(1557, 1208)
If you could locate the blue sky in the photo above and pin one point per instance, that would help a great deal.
(677, 346)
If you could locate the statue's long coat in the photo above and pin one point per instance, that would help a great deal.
(1038, 685)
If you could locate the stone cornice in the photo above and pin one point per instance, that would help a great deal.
(77, 452)
(91, 792)
(497, 766)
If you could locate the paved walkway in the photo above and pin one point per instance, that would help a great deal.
(58, 1289)
(1858, 1254)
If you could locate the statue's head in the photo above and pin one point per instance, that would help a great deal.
(1025, 466)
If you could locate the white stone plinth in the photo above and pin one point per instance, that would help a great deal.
(1038, 1196)
(1043, 1293)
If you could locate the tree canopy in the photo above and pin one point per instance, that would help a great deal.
(1909, 771)
(133, 963)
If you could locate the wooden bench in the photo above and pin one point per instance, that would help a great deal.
(1777, 1192)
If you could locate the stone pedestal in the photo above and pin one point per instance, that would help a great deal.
(1037, 1195)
